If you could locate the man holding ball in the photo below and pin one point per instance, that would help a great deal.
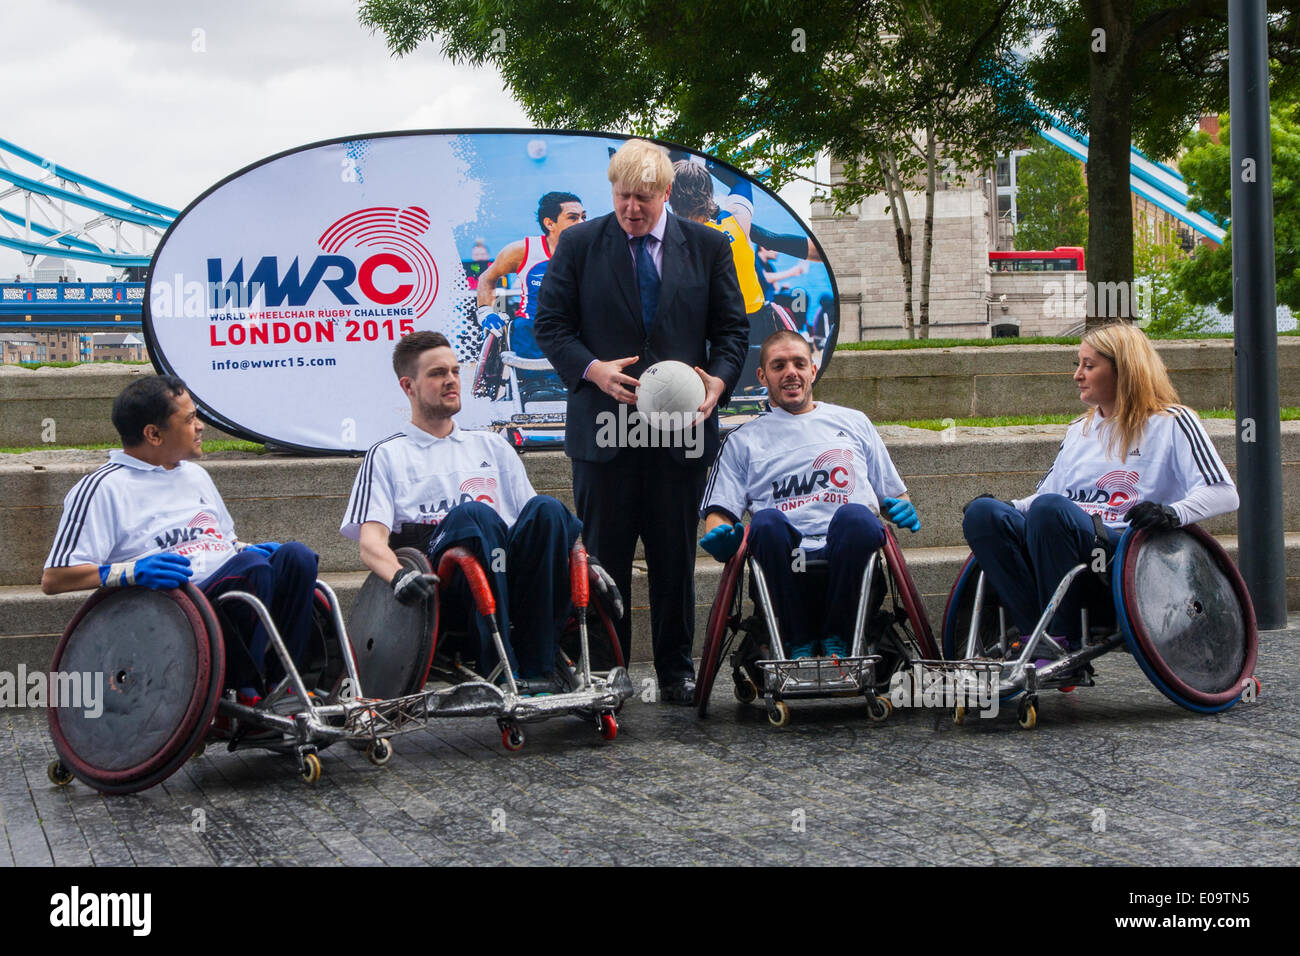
(622, 292)
(813, 476)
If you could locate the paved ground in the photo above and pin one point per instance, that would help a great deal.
(1176, 788)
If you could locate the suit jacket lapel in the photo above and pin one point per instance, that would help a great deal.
(621, 263)
(673, 260)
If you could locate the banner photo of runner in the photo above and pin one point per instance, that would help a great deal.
(279, 293)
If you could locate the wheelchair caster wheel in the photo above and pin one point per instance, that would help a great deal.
(959, 715)
(512, 738)
(1027, 715)
(746, 692)
(378, 751)
(310, 768)
(778, 713)
(59, 775)
(608, 726)
(879, 708)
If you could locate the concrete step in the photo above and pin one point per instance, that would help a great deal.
(280, 498)
(30, 622)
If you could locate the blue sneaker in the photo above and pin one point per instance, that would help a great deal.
(801, 652)
(834, 647)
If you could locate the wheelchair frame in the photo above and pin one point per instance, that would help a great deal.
(1020, 678)
(814, 678)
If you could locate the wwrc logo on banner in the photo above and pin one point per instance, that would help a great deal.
(377, 250)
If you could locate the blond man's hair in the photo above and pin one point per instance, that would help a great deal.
(641, 166)
(1142, 386)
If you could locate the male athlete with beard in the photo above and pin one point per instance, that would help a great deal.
(437, 485)
(813, 476)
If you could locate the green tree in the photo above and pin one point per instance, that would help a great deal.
(765, 85)
(1051, 200)
(1206, 279)
(1140, 71)
(1160, 304)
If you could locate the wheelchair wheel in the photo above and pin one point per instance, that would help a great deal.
(394, 642)
(490, 377)
(159, 660)
(957, 616)
(906, 590)
(322, 667)
(1186, 616)
(726, 607)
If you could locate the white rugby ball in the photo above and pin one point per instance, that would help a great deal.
(673, 388)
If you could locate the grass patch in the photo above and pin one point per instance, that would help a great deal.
(1004, 421)
(34, 365)
(208, 446)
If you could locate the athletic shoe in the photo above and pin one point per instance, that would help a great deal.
(834, 647)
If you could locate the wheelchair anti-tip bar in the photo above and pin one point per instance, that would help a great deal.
(580, 588)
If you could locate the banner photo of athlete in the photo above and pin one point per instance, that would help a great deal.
(279, 293)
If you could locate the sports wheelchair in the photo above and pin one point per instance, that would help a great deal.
(884, 640)
(400, 647)
(1179, 606)
(162, 656)
(512, 371)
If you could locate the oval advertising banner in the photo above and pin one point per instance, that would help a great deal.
(278, 294)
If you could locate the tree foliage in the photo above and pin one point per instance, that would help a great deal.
(1051, 200)
(765, 85)
(1140, 71)
(1206, 279)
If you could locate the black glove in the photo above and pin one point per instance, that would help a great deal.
(1149, 516)
(410, 586)
(977, 498)
(606, 586)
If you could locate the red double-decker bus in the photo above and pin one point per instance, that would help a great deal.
(1060, 259)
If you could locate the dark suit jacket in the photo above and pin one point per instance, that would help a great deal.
(589, 308)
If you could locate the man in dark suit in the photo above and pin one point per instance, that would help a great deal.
(622, 292)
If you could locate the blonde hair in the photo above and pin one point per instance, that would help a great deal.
(641, 166)
(1142, 386)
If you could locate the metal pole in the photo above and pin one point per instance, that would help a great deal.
(1261, 553)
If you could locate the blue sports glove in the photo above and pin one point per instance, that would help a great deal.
(490, 320)
(901, 513)
(158, 571)
(723, 541)
(266, 547)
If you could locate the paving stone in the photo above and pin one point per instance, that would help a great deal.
(832, 788)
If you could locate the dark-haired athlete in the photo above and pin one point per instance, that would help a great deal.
(151, 517)
(528, 258)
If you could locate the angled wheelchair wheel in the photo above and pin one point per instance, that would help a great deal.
(1186, 616)
(393, 642)
(957, 616)
(906, 590)
(726, 607)
(491, 375)
(159, 662)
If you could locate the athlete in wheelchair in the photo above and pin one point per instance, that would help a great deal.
(812, 475)
(184, 611)
(1106, 552)
(509, 605)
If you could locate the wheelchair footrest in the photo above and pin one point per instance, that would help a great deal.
(820, 676)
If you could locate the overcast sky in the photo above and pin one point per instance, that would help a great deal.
(120, 91)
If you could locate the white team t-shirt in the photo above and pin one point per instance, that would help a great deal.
(413, 477)
(130, 509)
(1172, 458)
(805, 465)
